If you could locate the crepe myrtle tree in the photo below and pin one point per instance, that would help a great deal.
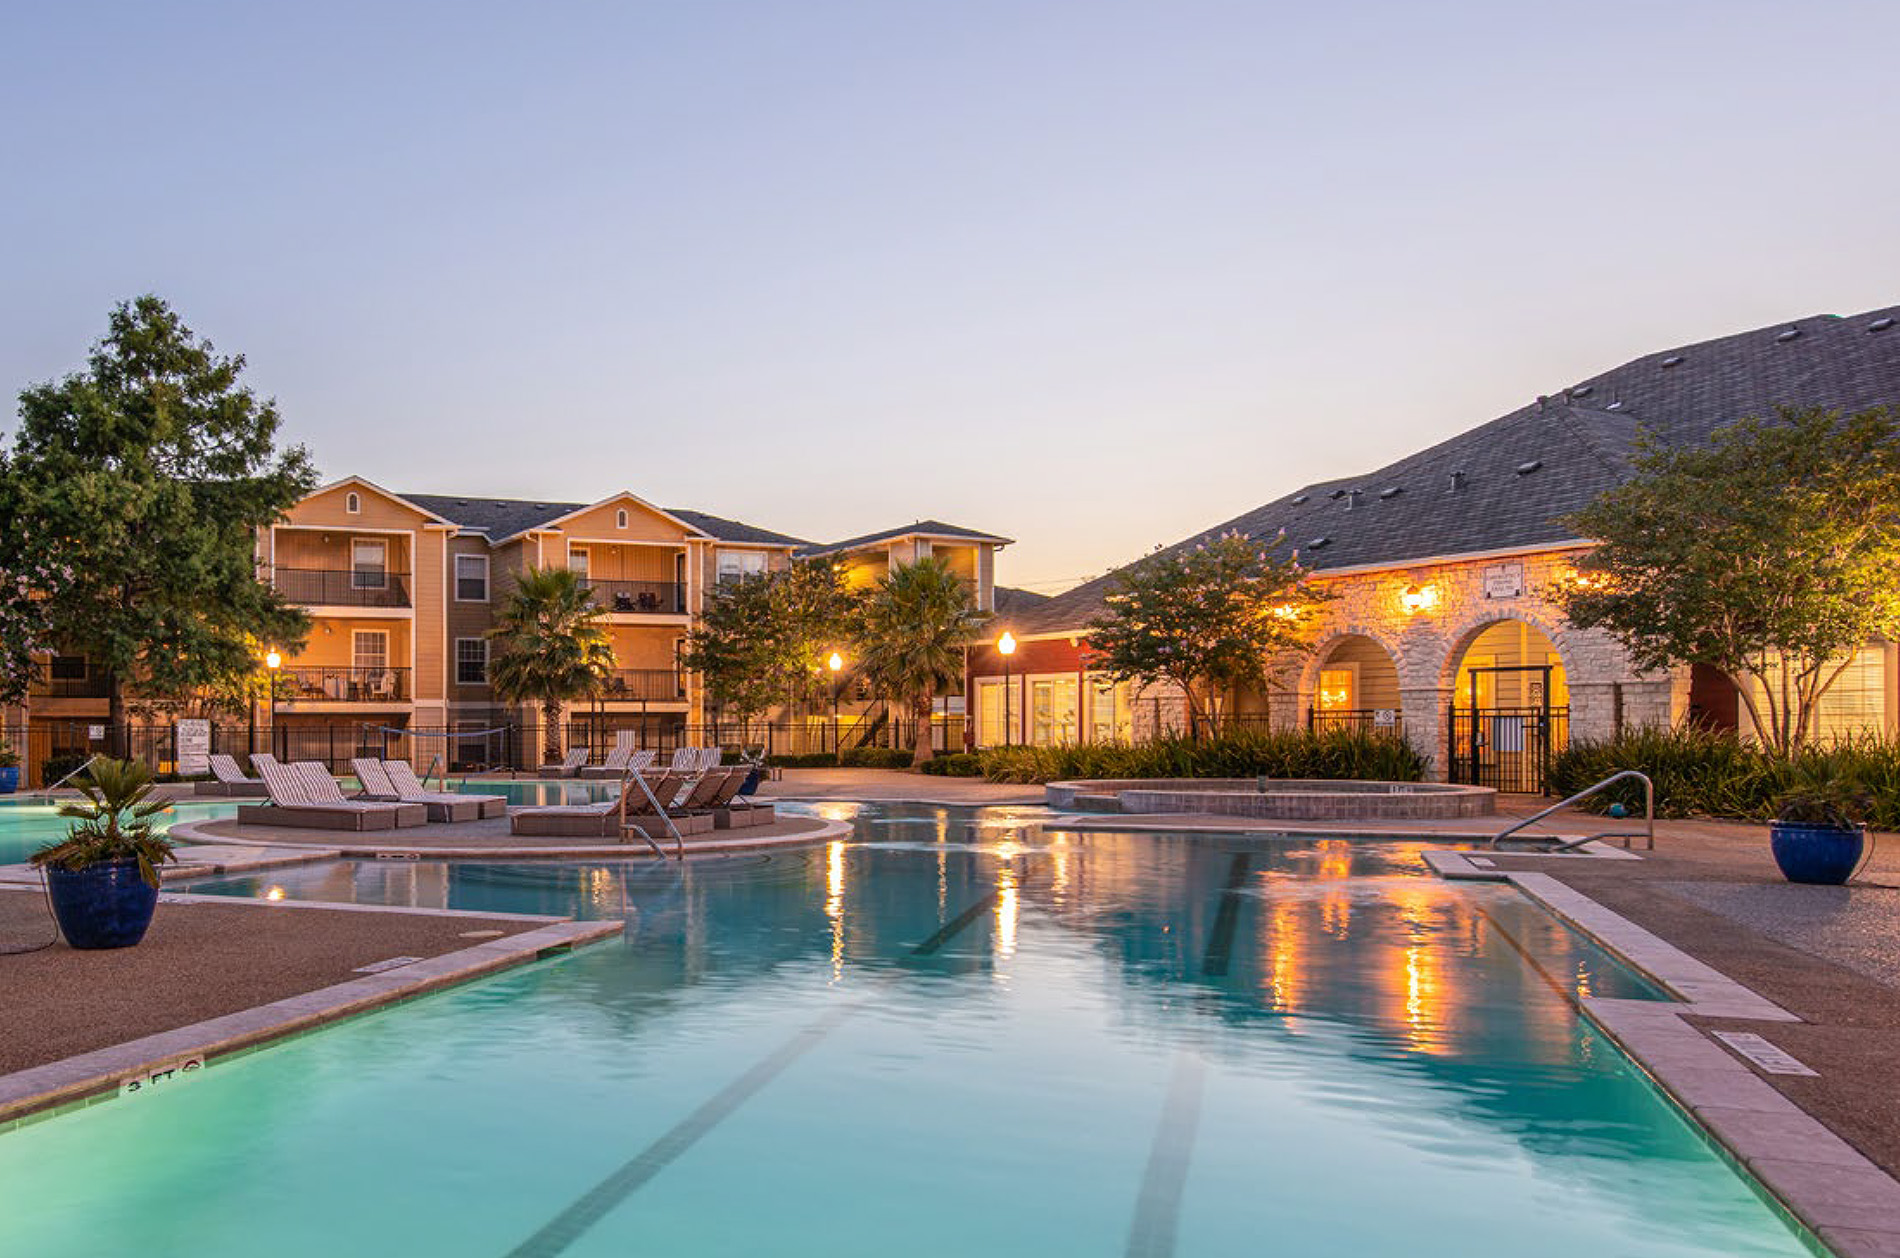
(1772, 554)
(1209, 617)
(133, 495)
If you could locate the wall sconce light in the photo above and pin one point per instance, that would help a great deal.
(1286, 611)
(1420, 598)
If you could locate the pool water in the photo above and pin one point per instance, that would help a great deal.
(25, 828)
(957, 1034)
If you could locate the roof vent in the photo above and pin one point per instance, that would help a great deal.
(1392, 492)
(1352, 499)
(1582, 390)
(1317, 542)
(1789, 335)
(1337, 494)
(461, 502)
(1525, 469)
(1614, 406)
(1881, 324)
(1300, 499)
(1457, 481)
(1674, 360)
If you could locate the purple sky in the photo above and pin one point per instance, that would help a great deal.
(1093, 275)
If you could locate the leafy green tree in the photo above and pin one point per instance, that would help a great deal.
(912, 632)
(1210, 618)
(1771, 555)
(764, 641)
(138, 487)
(553, 647)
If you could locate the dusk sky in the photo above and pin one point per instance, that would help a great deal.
(1090, 275)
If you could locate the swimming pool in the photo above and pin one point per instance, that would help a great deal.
(25, 828)
(954, 1036)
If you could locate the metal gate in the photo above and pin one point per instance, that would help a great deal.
(1508, 748)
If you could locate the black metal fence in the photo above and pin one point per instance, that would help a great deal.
(1507, 749)
(330, 587)
(1377, 720)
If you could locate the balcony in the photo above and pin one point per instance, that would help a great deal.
(323, 683)
(327, 587)
(640, 598)
(646, 685)
(93, 686)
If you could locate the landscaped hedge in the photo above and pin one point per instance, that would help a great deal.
(1699, 773)
(1339, 754)
(849, 758)
(960, 764)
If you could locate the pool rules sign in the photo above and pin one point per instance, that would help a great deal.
(193, 741)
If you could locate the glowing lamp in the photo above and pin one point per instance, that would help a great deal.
(836, 662)
(273, 660)
(1420, 598)
(1007, 643)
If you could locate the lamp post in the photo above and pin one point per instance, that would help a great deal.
(1006, 647)
(272, 662)
(836, 665)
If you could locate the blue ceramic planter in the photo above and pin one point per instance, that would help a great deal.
(1820, 854)
(9, 779)
(106, 906)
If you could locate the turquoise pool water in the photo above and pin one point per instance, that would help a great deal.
(24, 828)
(955, 1036)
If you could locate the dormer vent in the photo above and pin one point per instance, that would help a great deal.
(1674, 360)
(1458, 481)
(1789, 335)
(1352, 499)
(1391, 491)
(1337, 494)
(1583, 390)
(1299, 500)
(1317, 542)
(1614, 406)
(1881, 324)
(1525, 469)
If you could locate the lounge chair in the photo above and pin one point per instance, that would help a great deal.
(230, 780)
(297, 798)
(378, 784)
(570, 765)
(410, 790)
(635, 799)
(618, 762)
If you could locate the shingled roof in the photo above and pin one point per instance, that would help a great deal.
(1505, 484)
(922, 528)
(504, 517)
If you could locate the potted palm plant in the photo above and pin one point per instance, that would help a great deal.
(9, 767)
(102, 877)
(1818, 834)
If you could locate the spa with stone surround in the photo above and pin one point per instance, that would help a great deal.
(1276, 799)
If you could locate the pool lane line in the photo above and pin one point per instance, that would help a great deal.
(1220, 941)
(1157, 1222)
(958, 924)
(558, 1233)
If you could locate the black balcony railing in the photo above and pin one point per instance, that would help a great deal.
(330, 684)
(649, 685)
(360, 587)
(653, 598)
(94, 686)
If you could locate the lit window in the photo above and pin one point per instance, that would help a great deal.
(1336, 690)
(735, 566)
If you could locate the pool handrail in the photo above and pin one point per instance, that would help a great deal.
(48, 790)
(1649, 815)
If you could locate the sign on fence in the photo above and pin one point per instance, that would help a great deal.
(194, 746)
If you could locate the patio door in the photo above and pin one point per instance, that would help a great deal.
(369, 563)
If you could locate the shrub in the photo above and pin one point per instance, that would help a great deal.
(1701, 773)
(806, 760)
(961, 764)
(57, 766)
(874, 758)
(1338, 754)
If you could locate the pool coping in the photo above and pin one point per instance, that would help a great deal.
(189, 832)
(1832, 1189)
(41, 1092)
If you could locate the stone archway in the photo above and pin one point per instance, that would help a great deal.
(1351, 680)
(1508, 686)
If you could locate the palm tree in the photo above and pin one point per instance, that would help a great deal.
(553, 647)
(912, 631)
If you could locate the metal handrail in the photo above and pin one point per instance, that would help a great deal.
(1649, 815)
(48, 790)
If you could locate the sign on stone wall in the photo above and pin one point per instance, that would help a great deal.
(1504, 580)
(194, 745)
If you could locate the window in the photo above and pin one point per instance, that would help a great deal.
(1052, 713)
(992, 695)
(620, 518)
(67, 668)
(471, 661)
(577, 562)
(369, 563)
(353, 504)
(1108, 711)
(471, 578)
(1338, 689)
(735, 566)
(369, 649)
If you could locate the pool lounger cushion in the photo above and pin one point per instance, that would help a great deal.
(328, 817)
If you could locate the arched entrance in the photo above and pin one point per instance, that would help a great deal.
(1510, 708)
(1356, 686)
